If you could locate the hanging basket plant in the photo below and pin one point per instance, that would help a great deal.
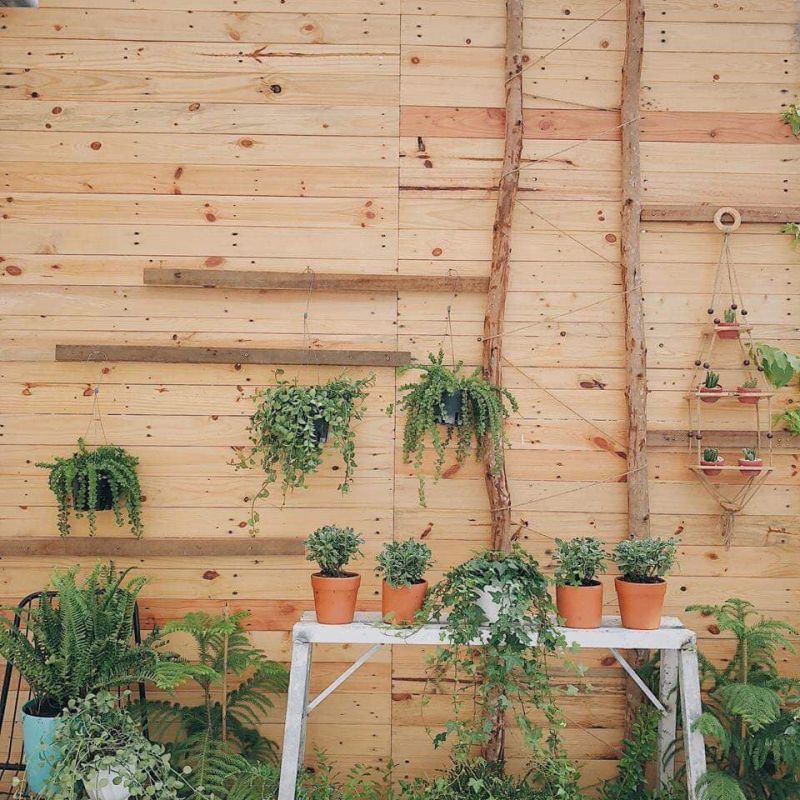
(445, 403)
(291, 426)
(89, 481)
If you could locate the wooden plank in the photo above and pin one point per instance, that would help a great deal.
(81, 547)
(342, 282)
(704, 212)
(233, 355)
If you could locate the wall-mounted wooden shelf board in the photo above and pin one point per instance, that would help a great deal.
(81, 546)
(342, 282)
(168, 354)
(704, 212)
(733, 440)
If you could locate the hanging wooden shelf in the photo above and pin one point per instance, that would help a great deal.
(704, 212)
(730, 468)
(723, 439)
(342, 282)
(716, 395)
(168, 354)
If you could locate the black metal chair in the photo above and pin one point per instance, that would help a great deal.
(13, 696)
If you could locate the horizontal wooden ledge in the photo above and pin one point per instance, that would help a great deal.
(722, 439)
(341, 282)
(704, 212)
(141, 548)
(167, 354)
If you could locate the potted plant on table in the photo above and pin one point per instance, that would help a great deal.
(728, 327)
(335, 591)
(470, 408)
(749, 393)
(102, 751)
(579, 595)
(641, 587)
(291, 426)
(403, 566)
(710, 390)
(96, 480)
(750, 464)
(712, 462)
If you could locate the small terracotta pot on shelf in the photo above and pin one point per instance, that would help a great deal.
(335, 598)
(749, 473)
(710, 395)
(640, 604)
(748, 396)
(400, 604)
(728, 330)
(712, 468)
(580, 606)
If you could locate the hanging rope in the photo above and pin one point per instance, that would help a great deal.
(95, 415)
(447, 336)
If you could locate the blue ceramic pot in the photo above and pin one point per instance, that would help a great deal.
(38, 734)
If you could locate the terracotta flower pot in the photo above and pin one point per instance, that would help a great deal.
(580, 606)
(748, 396)
(728, 330)
(335, 598)
(400, 604)
(711, 468)
(710, 395)
(750, 473)
(640, 604)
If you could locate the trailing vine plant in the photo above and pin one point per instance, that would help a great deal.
(290, 427)
(89, 481)
(483, 408)
(792, 118)
(508, 672)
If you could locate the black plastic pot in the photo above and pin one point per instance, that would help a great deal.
(105, 499)
(448, 412)
(321, 430)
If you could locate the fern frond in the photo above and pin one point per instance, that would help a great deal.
(717, 785)
(756, 705)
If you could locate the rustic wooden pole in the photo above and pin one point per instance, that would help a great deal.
(636, 349)
(497, 483)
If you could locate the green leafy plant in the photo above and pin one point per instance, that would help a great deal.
(333, 548)
(790, 420)
(237, 682)
(779, 367)
(578, 561)
(712, 380)
(508, 673)
(484, 407)
(711, 454)
(793, 229)
(96, 480)
(749, 454)
(475, 779)
(100, 745)
(729, 316)
(404, 563)
(83, 642)
(791, 116)
(288, 427)
(645, 560)
(750, 721)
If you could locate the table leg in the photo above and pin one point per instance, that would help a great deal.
(294, 734)
(691, 706)
(667, 725)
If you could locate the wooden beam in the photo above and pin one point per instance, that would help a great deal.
(342, 282)
(84, 547)
(733, 440)
(704, 212)
(168, 354)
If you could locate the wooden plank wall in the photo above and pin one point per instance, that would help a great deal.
(276, 134)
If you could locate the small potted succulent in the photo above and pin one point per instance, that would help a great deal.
(728, 326)
(335, 591)
(710, 390)
(403, 566)
(750, 464)
(749, 393)
(641, 587)
(89, 481)
(579, 595)
(712, 462)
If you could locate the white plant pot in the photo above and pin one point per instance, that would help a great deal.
(492, 599)
(100, 786)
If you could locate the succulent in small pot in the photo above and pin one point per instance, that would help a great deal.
(641, 587)
(579, 595)
(749, 392)
(335, 590)
(403, 566)
(89, 481)
(750, 464)
(728, 327)
(710, 390)
(712, 462)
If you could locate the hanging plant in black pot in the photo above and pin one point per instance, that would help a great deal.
(470, 408)
(292, 424)
(103, 479)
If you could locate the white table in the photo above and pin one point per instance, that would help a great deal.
(679, 667)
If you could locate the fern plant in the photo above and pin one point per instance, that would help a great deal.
(484, 407)
(791, 116)
(790, 419)
(82, 641)
(96, 480)
(750, 721)
(218, 735)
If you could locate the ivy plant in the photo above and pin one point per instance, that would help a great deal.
(791, 116)
(287, 431)
(484, 407)
(333, 548)
(404, 563)
(578, 561)
(96, 480)
(645, 560)
(778, 366)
